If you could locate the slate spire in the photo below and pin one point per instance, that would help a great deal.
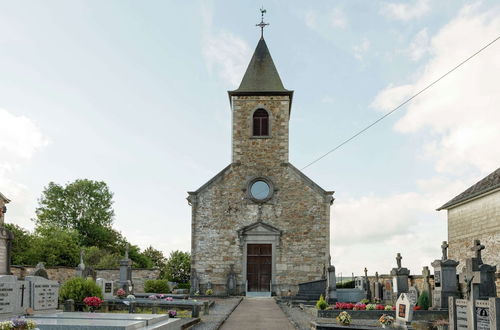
(261, 74)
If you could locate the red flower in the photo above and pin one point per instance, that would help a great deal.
(394, 307)
(93, 301)
(417, 308)
(379, 307)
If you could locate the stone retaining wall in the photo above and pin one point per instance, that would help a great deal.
(62, 274)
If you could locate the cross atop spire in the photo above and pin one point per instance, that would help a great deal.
(262, 25)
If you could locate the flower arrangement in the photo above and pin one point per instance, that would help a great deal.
(172, 313)
(417, 308)
(386, 320)
(341, 305)
(153, 297)
(131, 297)
(344, 318)
(92, 303)
(169, 299)
(388, 307)
(209, 292)
(18, 323)
(359, 307)
(379, 307)
(371, 307)
(120, 293)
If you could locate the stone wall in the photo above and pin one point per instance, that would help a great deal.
(298, 208)
(476, 219)
(62, 274)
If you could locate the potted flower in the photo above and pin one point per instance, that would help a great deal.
(172, 313)
(386, 320)
(209, 292)
(18, 323)
(344, 318)
(92, 303)
(121, 293)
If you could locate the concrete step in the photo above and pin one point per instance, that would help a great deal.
(258, 294)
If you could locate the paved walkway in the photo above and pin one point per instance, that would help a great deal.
(258, 314)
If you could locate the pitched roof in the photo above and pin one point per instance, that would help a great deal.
(261, 75)
(489, 183)
(5, 199)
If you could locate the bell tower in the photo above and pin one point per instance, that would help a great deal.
(260, 112)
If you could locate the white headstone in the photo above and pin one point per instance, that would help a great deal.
(44, 293)
(14, 295)
(106, 288)
(404, 309)
(413, 295)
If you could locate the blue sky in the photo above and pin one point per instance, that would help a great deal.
(134, 94)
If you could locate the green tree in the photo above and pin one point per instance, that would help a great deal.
(139, 259)
(23, 241)
(54, 246)
(84, 206)
(156, 257)
(178, 267)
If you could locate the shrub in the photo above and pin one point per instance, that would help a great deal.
(79, 288)
(156, 286)
(371, 307)
(365, 301)
(209, 292)
(423, 300)
(321, 303)
(186, 285)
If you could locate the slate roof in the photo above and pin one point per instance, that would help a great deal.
(489, 183)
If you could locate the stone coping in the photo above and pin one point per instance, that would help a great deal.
(148, 318)
(375, 314)
(159, 302)
(324, 326)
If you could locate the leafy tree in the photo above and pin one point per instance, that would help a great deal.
(156, 257)
(55, 247)
(83, 205)
(178, 267)
(23, 241)
(139, 259)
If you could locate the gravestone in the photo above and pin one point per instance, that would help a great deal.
(231, 281)
(377, 288)
(399, 278)
(40, 271)
(14, 295)
(387, 291)
(404, 311)
(445, 279)
(367, 283)
(6, 238)
(106, 288)
(44, 294)
(480, 314)
(426, 285)
(331, 284)
(360, 283)
(412, 295)
(195, 282)
(126, 274)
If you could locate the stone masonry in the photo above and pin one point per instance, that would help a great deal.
(296, 216)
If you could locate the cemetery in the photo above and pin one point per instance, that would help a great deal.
(260, 250)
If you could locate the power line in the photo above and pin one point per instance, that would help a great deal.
(399, 106)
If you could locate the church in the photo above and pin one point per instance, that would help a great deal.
(260, 226)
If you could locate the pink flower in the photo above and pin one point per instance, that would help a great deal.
(169, 299)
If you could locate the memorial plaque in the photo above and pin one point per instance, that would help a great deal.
(8, 297)
(108, 287)
(437, 278)
(461, 308)
(482, 310)
(45, 296)
(413, 295)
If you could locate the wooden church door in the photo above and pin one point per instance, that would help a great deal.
(259, 267)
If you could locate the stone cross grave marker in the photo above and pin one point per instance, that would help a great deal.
(404, 310)
(44, 293)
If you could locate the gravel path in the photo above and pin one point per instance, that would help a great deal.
(219, 312)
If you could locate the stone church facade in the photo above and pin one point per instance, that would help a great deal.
(260, 225)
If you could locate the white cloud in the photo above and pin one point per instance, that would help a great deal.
(374, 228)
(361, 49)
(458, 117)
(224, 52)
(419, 45)
(405, 11)
(20, 140)
(323, 21)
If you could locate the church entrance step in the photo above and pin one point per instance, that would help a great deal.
(258, 294)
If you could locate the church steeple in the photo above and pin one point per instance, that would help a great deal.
(261, 74)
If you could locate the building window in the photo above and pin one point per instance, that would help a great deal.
(260, 123)
(260, 190)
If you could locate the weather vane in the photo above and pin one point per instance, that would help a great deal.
(262, 25)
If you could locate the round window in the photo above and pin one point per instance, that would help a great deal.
(260, 190)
